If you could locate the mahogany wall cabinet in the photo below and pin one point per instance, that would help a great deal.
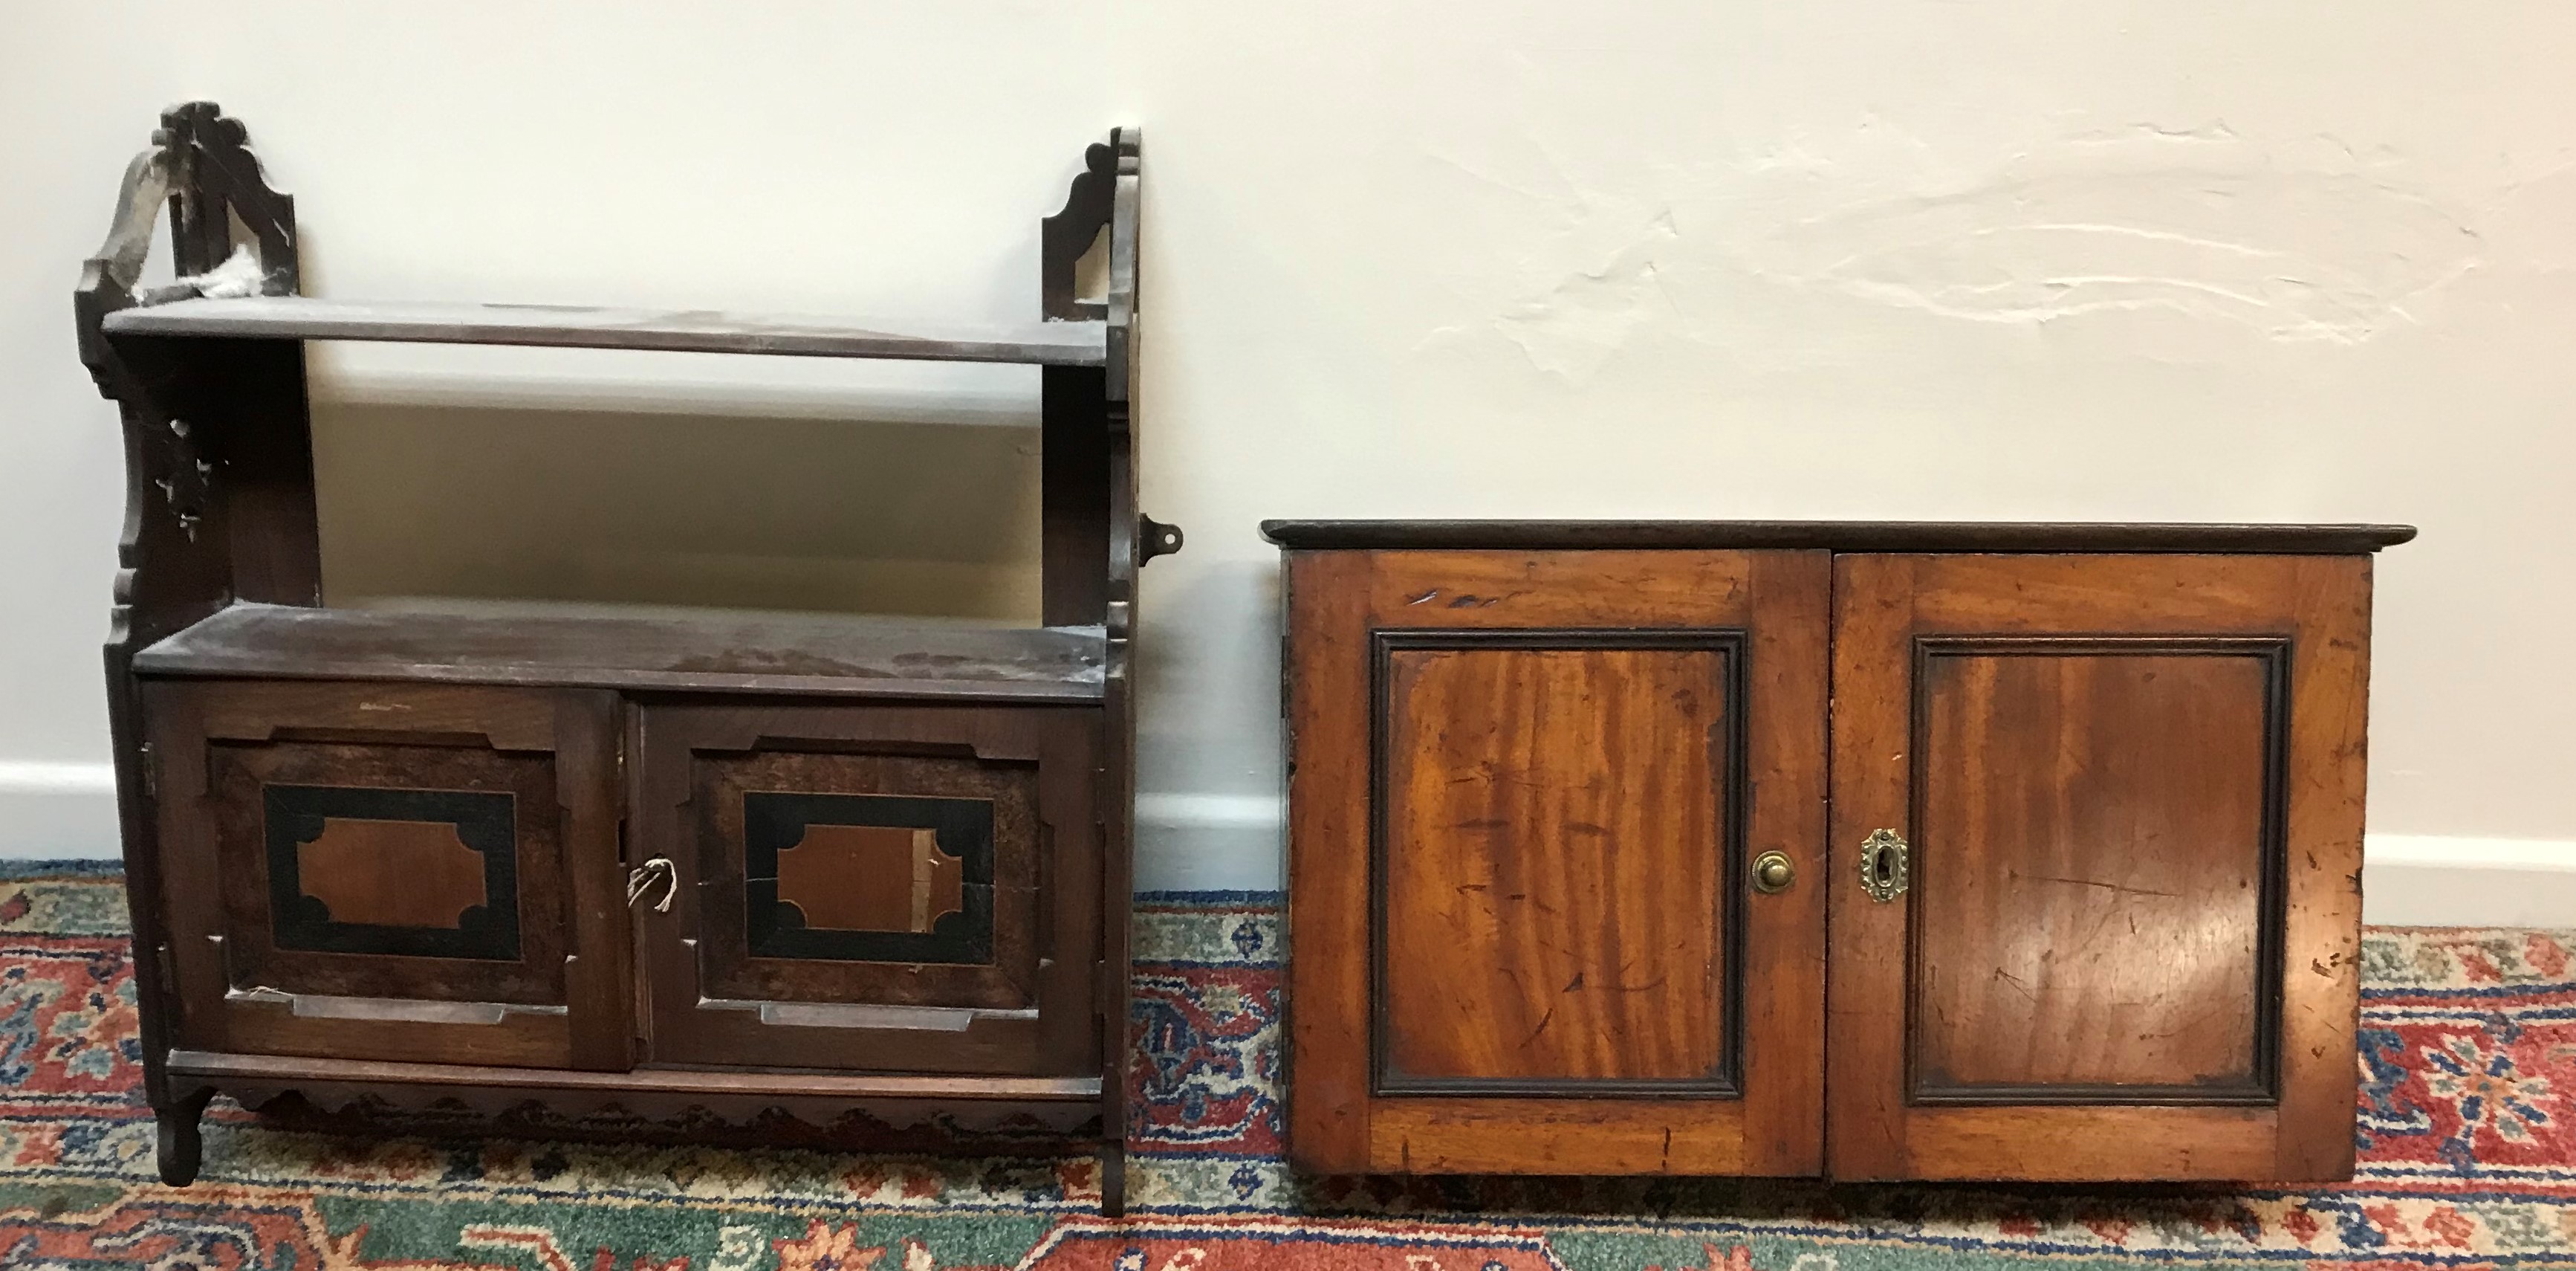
(1875, 851)
(667, 859)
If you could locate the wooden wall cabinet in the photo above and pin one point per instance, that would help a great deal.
(829, 863)
(1873, 851)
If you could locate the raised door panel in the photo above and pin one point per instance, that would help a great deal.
(2096, 822)
(2120, 941)
(1553, 849)
(392, 872)
(1525, 791)
(883, 889)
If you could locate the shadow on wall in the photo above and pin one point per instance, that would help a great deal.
(623, 507)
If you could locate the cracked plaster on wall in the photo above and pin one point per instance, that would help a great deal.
(2147, 241)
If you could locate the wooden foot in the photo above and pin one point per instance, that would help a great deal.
(180, 1147)
(1113, 1179)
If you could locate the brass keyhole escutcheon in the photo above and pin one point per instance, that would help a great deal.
(1772, 872)
(1884, 868)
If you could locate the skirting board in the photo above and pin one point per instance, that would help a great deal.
(57, 811)
(1219, 842)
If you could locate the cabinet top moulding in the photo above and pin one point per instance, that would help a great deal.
(1840, 536)
(1048, 343)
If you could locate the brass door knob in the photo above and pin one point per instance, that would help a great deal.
(1772, 872)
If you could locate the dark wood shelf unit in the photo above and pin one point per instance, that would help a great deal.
(710, 653)
(652, 856)
(1066, 343)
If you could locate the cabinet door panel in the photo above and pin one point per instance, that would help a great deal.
(2131, 789)
(393, 872)
(1553, 851)
(880, 889)
(1525, 790)
(2094, 822)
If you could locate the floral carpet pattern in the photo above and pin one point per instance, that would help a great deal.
(2468, 1145)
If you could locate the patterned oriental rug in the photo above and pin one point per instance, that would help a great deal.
(2468, 1145)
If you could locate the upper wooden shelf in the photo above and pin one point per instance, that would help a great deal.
(1053, 343)
(643, 649)
(1841, 536)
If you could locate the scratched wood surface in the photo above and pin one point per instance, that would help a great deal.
(1883, 604)
(1553, 864)
(2090, 852)
(1591, 719)
(648, 648)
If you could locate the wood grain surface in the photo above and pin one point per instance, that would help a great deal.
(2090, 857)
(1554, 864)
(2185, 819)
(870, 878)
(391, 873)
(1565, 655)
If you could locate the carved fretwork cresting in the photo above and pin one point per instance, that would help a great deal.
(1067, 236)
(200, 167)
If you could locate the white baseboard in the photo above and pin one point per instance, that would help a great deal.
(57, 811)
(1229, 842)
(1210, 842)
(2410, 880)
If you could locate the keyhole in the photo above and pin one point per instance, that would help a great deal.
(1879, 865)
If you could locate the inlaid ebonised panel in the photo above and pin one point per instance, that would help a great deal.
(812, 868)
(401, 866)
(797, 907)
(389, 870)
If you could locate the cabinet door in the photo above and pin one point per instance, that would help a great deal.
(1526, 792)
(888, 889)
(2121, 938)
(392, 872)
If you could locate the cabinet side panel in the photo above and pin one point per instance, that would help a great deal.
(2321, 938)
(1328, 875)
(1554, 858)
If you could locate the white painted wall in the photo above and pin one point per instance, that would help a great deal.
(2172, 260)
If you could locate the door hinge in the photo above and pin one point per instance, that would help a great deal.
(151, 766)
